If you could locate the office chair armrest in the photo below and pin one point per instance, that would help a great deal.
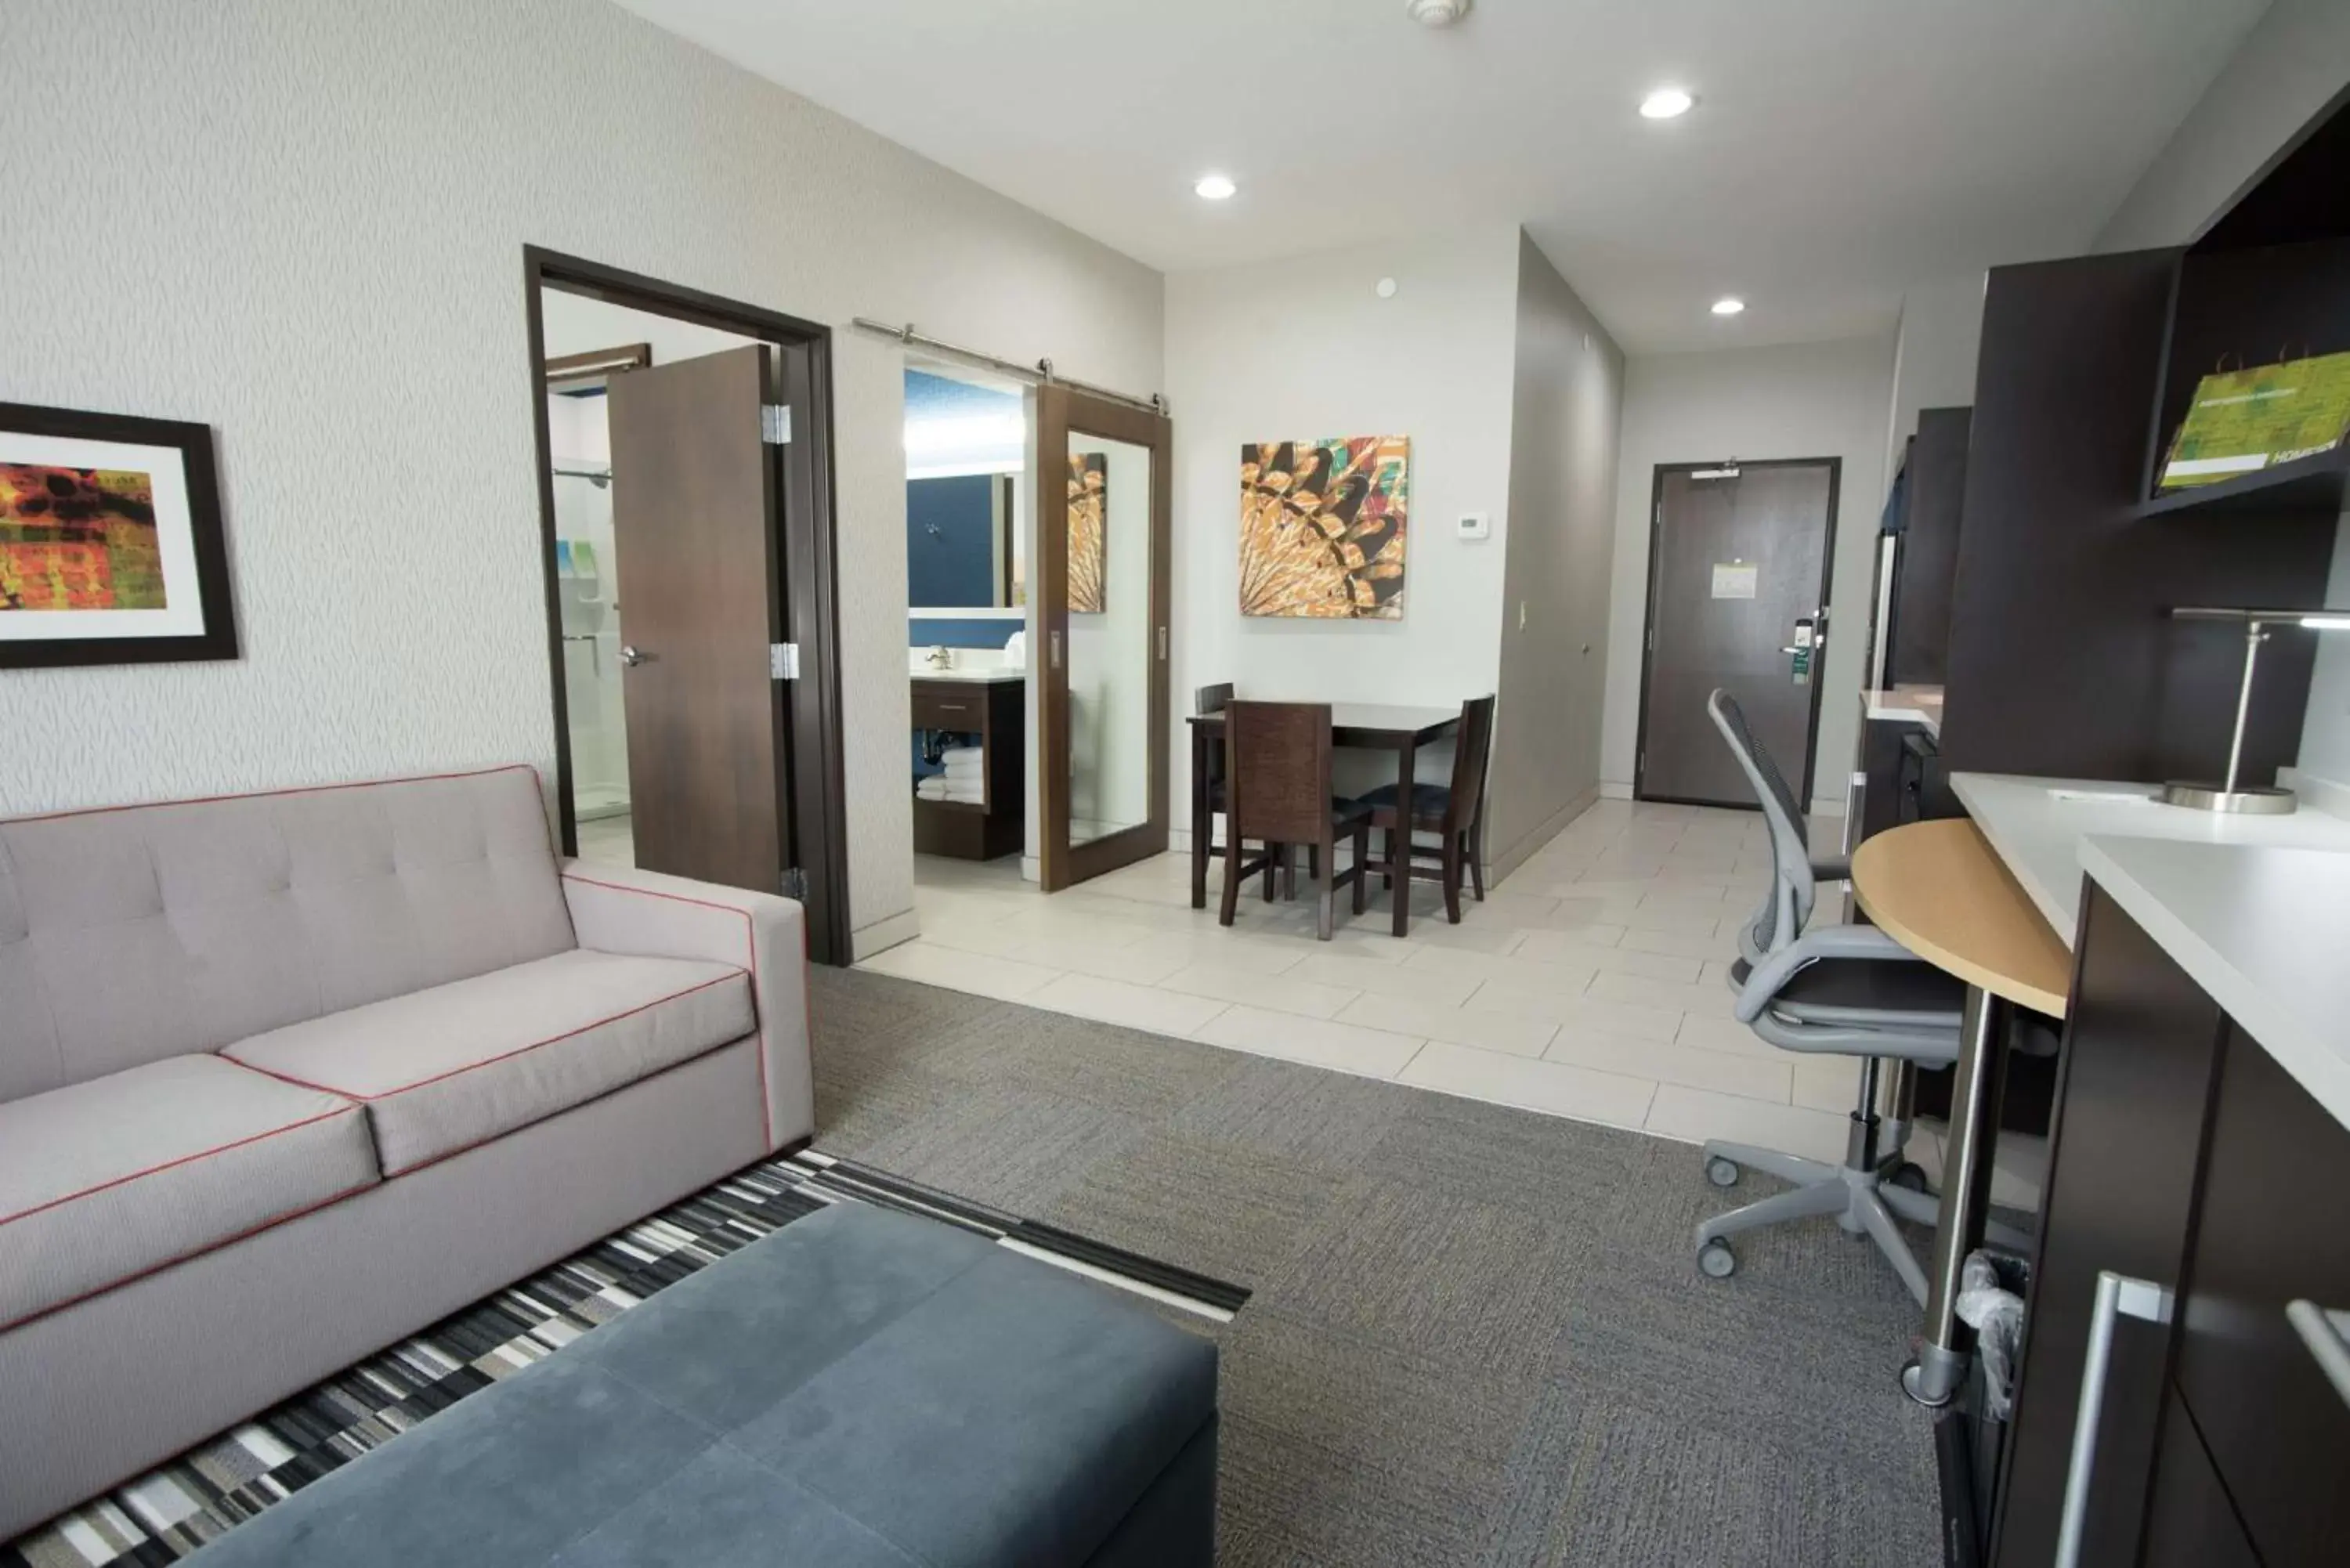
(1834, 869)
(1764, 980)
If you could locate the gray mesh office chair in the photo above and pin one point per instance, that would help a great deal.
(1849, 991)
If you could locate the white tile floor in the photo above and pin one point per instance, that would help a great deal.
(1591, 984)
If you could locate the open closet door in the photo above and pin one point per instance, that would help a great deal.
(1103, 553)
(695, 515)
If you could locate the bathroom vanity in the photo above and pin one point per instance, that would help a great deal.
(986, 707)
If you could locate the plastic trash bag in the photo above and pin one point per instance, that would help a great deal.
(1996, 1315)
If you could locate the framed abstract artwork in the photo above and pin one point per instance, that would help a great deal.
(110, 547)
(1088, 529)
(1324, 524)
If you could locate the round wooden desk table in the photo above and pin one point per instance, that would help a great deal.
(1937, 889)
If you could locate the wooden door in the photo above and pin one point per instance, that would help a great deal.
(1103, 556)
(694, 528)
(1738, 591)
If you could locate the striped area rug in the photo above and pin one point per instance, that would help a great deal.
(171, 1510)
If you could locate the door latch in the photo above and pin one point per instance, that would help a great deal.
(1799, 652)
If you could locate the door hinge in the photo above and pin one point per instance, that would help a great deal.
(775, 423)
(796, 883)
(784, 660)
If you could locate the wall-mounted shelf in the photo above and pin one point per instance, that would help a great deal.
(2315, 484)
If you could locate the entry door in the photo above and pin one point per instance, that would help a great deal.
(1738, 597)
(1103, 557)
(694, 523)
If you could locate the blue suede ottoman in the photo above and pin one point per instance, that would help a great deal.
(863, 1387)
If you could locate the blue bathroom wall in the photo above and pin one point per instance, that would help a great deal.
(937, 632)
(951, 541)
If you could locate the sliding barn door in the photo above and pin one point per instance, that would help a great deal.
(1103, 553)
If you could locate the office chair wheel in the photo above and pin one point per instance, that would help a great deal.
(1716, 1261)
(1721, 1173)
(1909, 1174)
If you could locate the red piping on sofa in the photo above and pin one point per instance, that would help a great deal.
(751, 943)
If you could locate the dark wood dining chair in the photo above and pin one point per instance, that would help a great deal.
(1215, 700)
(1454, 812)
(1277, 791)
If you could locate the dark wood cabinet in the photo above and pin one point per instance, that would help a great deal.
(2190, 1522)
(2274, 1229)
(992, 715)
(2183, 1157)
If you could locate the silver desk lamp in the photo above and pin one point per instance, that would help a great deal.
(2252, 800)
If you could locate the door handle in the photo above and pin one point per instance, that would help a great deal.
(2327, 1335)
(631, 657)
(2117, 1296)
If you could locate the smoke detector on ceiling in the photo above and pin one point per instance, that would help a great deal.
(1436, 13)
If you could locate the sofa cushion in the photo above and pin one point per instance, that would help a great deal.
(130, 934)
(442, 1069)
(105, 1181)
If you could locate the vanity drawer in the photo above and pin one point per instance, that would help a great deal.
(2276, 1211)
(950, 705)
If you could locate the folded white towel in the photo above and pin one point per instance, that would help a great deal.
(969, 756)
(936, 788)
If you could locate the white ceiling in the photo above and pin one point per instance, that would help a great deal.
(1840, 148)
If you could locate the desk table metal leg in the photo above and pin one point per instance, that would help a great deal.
(1941, 1364)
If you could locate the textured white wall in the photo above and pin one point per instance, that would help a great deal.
(1808, 399)
(1303, 348)
(1567, 417)
(303, 225)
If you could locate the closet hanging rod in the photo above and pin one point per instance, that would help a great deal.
(1040, 371)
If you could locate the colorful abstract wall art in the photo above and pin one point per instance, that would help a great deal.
(110, 547)
(1324, 526)
(77, 539)
(1089, 531)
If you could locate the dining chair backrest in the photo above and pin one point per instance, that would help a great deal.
(1473, 748)
(1213, 699)
(1280, 781)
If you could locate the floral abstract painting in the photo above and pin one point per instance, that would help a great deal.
(1088, 513)
(1324, 526)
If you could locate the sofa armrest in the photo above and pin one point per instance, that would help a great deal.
(619, 909)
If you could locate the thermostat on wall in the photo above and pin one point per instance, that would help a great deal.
(1474, 525)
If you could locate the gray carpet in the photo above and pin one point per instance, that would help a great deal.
(1478, 1334)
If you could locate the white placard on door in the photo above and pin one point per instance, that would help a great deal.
(1734, 579)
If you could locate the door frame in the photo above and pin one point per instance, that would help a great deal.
(1060, 863)
(1648, 619)
(817, 799)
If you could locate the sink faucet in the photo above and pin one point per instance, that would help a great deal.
(940, 659)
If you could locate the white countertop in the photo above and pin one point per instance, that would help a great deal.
(1907, 704)
(976, 677)
(2259, 927)
(2037, 826)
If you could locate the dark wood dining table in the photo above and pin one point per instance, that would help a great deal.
(1369, 726)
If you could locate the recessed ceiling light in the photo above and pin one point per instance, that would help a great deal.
(1666, 103)
(1729, 305)
(1215, 188)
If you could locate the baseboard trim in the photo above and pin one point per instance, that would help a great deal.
(1610, 790)
(884, 934)
(1518, 854)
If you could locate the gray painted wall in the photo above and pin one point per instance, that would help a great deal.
(303, 225)
(1567, 414)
